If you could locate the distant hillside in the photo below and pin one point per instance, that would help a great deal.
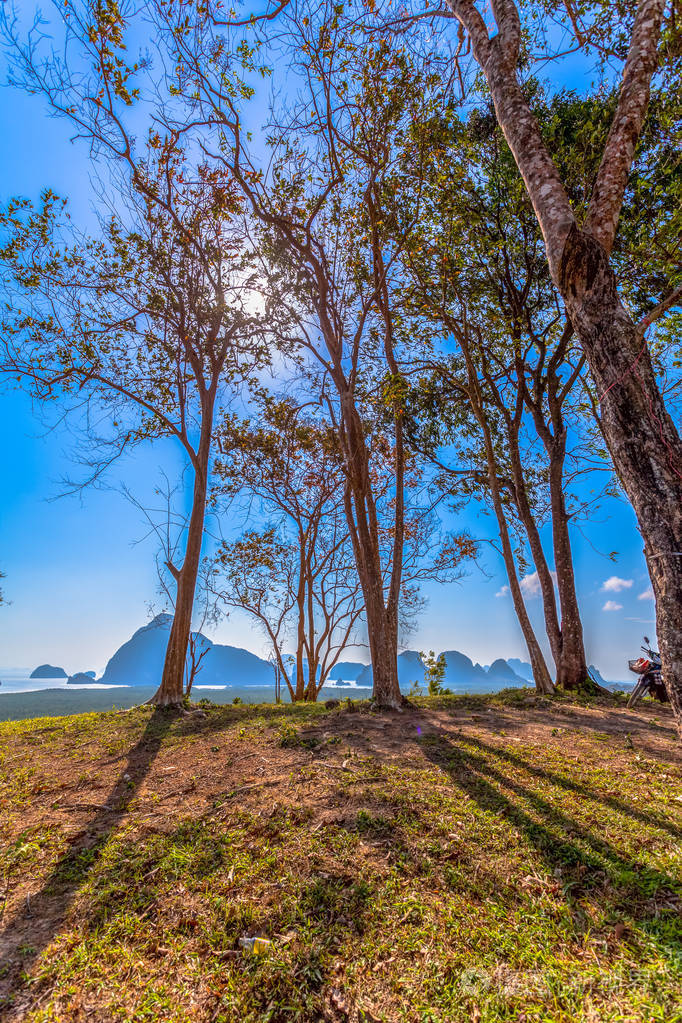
(140, 660)
(460, 673)
(410, 669)
(522, 668)
(617, 686)
(81, 678)
(48, 671)
(460, 670)
(502, 671)
(347, 670)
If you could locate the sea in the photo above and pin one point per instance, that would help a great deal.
(23, 697)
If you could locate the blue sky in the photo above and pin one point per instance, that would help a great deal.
(80, 579)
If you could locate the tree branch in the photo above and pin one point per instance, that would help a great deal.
(658, 310)
(607, 196)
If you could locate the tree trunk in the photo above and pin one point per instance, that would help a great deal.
(541, 676)
(543, 682)
(312, 688)
(382, 621)
(381, 630)
(383, 648)
(572, 670)
(312, 648)
(300, 632)
(171, 691)
(525, 512)
(641, 437)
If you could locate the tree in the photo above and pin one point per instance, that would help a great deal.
(296, 575)
(322, 209)
(179, 201)
(648, 457)
(460, 400)
(474, 268)
(434, 671)
(143, 329)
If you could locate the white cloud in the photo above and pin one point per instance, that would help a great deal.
(530, 585)
(648, 594)
(615, 584)
(611, 605)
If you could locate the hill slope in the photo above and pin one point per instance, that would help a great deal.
(48, 671)
(478, 859)
(139, 661)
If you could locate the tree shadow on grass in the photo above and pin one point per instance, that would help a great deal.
(37, 921)
(578, 788)
(602, 716)
(175, 891)
(586, 863)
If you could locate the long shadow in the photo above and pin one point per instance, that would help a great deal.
(38, 920)
(621, 721)
(579, 788)
(583, 860)
(650, 819)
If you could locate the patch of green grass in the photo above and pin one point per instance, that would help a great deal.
(470, 878)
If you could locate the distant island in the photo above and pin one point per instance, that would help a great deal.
(139, 662)
(82, 678)
(48, 671)
(347, 670)
(460, 672)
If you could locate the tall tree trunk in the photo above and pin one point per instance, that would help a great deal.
(641, 437)
(300, 632)
(312, 648)
(569, 656)
(541, 676)
(642, 440)
(525, 512)
(382, 631)
(383, 648)
(171, 691)
(572, 670)
(382, 617)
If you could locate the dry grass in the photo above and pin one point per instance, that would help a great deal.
(498, 858)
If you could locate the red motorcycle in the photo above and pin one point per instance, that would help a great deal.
(650, 680)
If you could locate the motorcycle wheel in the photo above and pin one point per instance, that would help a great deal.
(638, 692)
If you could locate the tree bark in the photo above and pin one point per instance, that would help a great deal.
(300, 632)
(642, 440)
(571, 667)
(382, 630)
(641, 437)
(383, 648)
(541, 676)
(171, 691)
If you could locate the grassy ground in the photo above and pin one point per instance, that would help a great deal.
(493, 858)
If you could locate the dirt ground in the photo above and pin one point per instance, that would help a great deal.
(71, 787)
